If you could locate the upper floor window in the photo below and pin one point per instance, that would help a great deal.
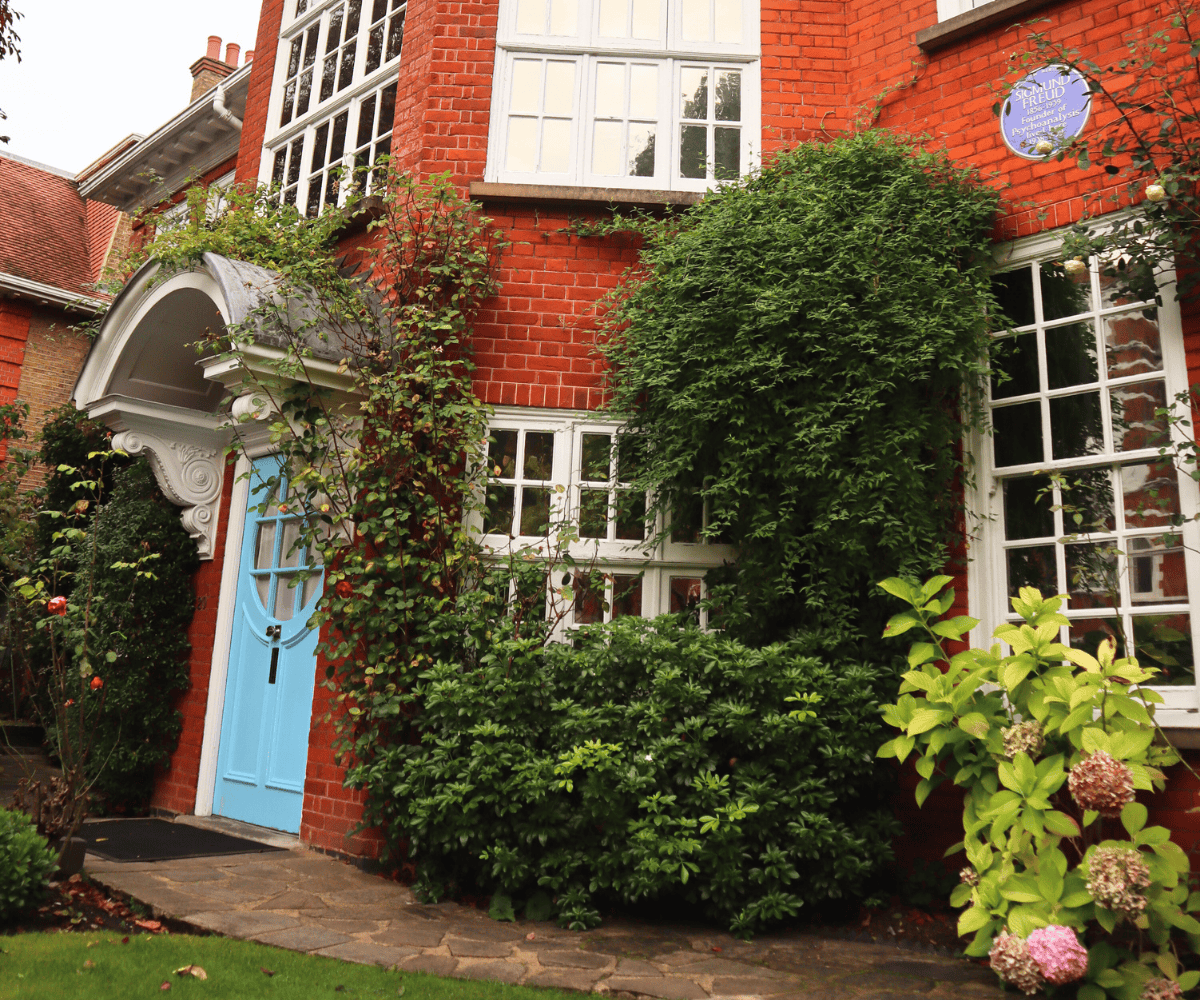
(626, 93)
(334, 98)
(1077, 498)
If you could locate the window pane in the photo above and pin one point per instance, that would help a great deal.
(1071, 357)
(610, 90)
(643, 91)
(1064, 294)
(1092, 580)
(612, 18)
(564, 16)
(1135, 424)
(498, 515)
(304, 93)
(729, 21)
(294, 56)
(1014, 296)
(1165, 642)
(589, 601)
(1089, 502)
(320, 144)
(262, 585)
(395, 36)
(729, 95)
(328, 77)
(593, 513)
(285, 598)
(685, 596)
(1035, 566)
(366, 121)
(531, 17)
(374, 49)
(695, 21)
(289, 549)
(522, 145)
(1088, 633)
(539, 455)
(687, 519)
(631, 516)
(646, 19)
(502, 454)
(1150, 493)
(1133, 345)
(597, 451)
(560, 88)
(337, 145)
(1017, 359)
(312, 587)
(641, 150)
(346, 74)
(335, 29)
(1027, 504)
(606, 148)
(556, 146)
(264, 546)
(387, 109)
(526, 87)
(627, 596)
(693, 84)
(1075, 426)
(1017, 437)
(280, 165)
(727, 153)
(629, 456)
(693, 143)
(1156, 570)
(535, 511)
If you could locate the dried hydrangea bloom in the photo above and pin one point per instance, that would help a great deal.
(1116, 876)
(1024, 737)
(1058, 953)
(1161, 989)
(1102, 784)
(1011, 961)
(968, 876)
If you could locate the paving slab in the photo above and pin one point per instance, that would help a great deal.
(667, 987)
(575, 959)
(746, 986)
(302, 938)
(293, 899)
(238, 923)
(563, 979)
(499, 972)
(437, 965)
(466, 948)
(365, 953)
(636, 967)
(412, 933)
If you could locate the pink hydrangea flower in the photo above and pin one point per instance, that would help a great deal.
(1162, 989)
(1058, 953)
(1012, 962)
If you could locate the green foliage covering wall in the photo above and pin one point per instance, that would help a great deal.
(798, 355)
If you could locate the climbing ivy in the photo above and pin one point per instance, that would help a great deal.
(800, 354)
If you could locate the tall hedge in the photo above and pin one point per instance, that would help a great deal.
(798, 349)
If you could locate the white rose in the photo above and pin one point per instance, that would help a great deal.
(1076, 266)
(1044, 147)
(1155, 192)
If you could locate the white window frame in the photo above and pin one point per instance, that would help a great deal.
(670, 52)
(319, 113)
(987, 569)
(658, 564)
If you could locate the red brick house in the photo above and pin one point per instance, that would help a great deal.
(548, 110)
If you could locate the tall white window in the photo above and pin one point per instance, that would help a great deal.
(334, 98)
(1077, 498)
(626, 93)
(546, 470)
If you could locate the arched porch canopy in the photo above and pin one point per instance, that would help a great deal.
(145, 379)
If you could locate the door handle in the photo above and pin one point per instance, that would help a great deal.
(274, 631)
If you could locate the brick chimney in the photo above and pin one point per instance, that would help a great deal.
(209, 70)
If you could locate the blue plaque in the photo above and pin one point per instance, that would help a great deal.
(1045, 111)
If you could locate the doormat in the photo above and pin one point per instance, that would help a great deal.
(160, 840)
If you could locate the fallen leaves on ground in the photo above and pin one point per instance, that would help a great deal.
(265, 971)
(165, 986)
(149, 925)
(192, 970)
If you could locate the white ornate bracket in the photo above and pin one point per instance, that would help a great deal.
(186, 454)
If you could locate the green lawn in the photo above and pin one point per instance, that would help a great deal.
(51, 967)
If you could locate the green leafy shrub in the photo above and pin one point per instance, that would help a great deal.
(1051, 745)
(795, 351)
(650, 761)
(26, 862)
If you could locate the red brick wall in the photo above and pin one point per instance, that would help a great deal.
(258, 95)
(15, 319)
(176, 787)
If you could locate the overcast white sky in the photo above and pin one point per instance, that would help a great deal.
(93, 71)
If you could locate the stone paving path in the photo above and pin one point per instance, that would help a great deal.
(304, 901)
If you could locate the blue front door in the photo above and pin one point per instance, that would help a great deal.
(272, 667)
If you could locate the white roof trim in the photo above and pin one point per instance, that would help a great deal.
(48, 295)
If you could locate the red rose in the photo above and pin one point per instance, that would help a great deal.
(344, 589)
(57, 605)
(97, 682)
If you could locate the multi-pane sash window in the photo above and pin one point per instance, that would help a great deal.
(547, 470)
(626, 93)
(335, 97)
(1081, 501)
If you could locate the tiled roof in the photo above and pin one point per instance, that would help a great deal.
(48, 233)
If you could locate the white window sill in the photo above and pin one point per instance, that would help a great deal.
(998, 13)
